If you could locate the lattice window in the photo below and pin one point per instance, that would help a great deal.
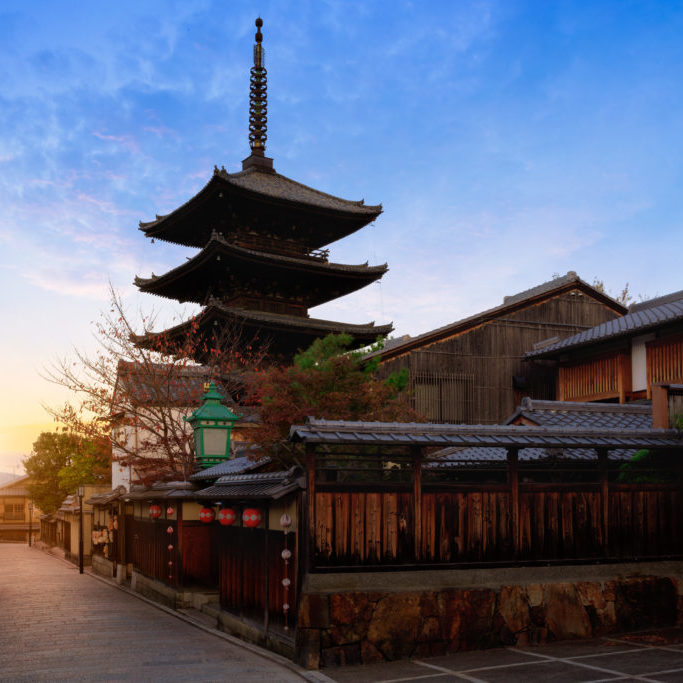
(14, 511)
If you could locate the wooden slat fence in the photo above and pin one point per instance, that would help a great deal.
(589, 381)
(199, 554)
(242, 565)
(147, 544)
(475, 524)
(665, 360)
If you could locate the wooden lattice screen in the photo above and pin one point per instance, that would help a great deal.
(443, 397)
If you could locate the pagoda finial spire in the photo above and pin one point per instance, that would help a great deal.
(258, 97)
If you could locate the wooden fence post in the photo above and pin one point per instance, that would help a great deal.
(513, 481)
(603, 465)
(417, 500)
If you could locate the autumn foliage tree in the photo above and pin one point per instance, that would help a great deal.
(136, 388)
(60, 462)
(328, 382)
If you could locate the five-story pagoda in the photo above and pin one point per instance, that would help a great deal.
(262, 264)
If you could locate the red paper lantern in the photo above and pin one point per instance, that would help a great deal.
(207, 515)
(227, 516)
(155, 511)
(251, 517)
(169, 510)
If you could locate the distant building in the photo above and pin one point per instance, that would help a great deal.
(472, 371)
(15, 519)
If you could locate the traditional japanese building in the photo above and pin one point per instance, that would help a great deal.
(262, 261)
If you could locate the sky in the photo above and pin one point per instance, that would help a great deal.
(507, 141)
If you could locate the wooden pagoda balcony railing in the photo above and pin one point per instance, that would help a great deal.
(282, 247)
(664, 361)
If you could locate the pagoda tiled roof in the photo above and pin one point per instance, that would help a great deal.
(264, 188)
(341, 277)
(276, 186)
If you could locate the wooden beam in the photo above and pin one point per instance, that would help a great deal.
(603, 464)
(417, 501)
(513, 482)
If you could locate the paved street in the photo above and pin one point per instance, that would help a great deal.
(58, 625)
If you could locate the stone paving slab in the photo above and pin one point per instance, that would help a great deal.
(58, 625)
(653, 656)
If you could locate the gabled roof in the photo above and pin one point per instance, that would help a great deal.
(265, 191)
(638, 322)
(530, 297)
(239, 465)
(579, 415)
(15, 487)
(266, 486)
(164, 384)
(214, 268)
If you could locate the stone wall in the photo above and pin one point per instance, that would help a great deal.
(366, 626)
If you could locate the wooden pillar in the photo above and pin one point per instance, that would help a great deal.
(561, 382)
(266, 570)
(624, 379)
(660, 405)
(603, 465)
(513, 482)
(310, 505)
(417, 501)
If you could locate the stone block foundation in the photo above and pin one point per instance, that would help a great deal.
(409, 618)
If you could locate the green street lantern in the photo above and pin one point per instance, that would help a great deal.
(212, 423)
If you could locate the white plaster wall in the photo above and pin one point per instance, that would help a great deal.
(639, 362)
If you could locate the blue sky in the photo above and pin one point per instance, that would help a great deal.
(507, 141)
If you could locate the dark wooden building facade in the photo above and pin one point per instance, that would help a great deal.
(472, 371)
(262, 261)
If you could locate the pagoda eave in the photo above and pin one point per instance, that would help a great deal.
(218, 204)
(282, 335)
(219, 263)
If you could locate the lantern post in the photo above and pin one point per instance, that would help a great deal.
(30, 522)
(81, 493)
(212, 424)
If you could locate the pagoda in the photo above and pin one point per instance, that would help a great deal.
(262, 261)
